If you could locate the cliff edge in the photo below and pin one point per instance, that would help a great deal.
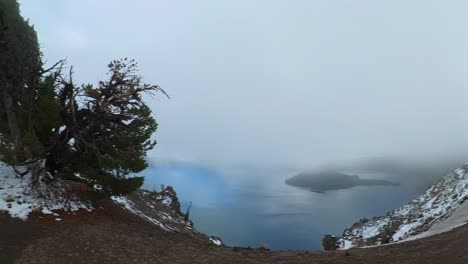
(441, 208)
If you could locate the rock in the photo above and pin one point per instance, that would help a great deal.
(330, 242)
(263, 247)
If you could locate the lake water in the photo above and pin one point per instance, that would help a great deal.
(264, 210)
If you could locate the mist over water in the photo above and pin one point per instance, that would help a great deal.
(304, 83)
(259, 208)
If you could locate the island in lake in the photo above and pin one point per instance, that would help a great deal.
(328, 181)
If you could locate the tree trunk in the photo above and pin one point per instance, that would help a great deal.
(13, 124)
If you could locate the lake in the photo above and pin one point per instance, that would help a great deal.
(259, 208)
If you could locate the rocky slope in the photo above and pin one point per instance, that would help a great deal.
(22, 197)
(111, 234)
(161, 209)
(421, 217)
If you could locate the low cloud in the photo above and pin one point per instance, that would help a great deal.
(276, 84)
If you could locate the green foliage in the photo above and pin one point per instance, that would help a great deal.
(7, 154)
(47, 110)
(20, 57)
(33, 146)
(20, 67)
(105, 130)
(100, 132)
(112, 185)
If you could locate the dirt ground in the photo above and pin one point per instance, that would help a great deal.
(112, 235)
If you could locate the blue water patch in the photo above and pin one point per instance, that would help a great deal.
(200, 186)
(251, 213)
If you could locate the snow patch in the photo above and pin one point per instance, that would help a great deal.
(216, 241)
(458, 218)
(404, 230)
(130, 206)
(165, 199)
(345, 244)
(18, 197)
(441, 208)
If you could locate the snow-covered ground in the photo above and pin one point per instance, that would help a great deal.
(19, 199)
(458, 218)
(160, 209)
(130, 206)
(440, 209)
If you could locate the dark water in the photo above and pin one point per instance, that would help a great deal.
(263, 210)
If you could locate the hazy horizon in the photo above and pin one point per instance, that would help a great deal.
(275, 83)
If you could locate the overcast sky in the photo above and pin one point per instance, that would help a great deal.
(280, 82)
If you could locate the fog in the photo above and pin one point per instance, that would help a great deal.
(268, 83)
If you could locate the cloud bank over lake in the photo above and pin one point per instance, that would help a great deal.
(300, 83)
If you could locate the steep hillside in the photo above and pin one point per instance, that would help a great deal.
(161, 209)
(425, 216)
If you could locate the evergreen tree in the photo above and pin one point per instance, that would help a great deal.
(105, 130)
(20, 66)
(95, 134)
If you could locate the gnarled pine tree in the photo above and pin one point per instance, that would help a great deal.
(104, 131)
